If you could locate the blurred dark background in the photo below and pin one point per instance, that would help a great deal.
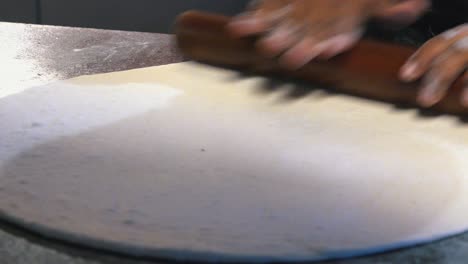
(134, 15)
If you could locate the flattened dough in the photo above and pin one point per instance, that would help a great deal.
(188, 161)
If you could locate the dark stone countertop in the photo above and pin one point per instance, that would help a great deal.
(34, 55)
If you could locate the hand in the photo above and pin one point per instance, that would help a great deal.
(439, 63)
(302, 30)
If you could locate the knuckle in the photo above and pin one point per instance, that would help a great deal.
(434, 47)
(455, 34)
(462, 44)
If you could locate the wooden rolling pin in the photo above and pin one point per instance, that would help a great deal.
(369, 70)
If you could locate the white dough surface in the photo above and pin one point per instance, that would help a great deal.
(192, 162)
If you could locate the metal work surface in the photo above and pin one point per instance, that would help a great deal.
(34, 55)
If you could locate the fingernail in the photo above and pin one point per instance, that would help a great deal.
(408, 71)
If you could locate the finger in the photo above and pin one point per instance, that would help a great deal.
(247, 24)
(280, 39)
(465, 89)
(340, 43)
(462, 45)
(300, 54)
(458, 32)
(442, 75)
(464, 96)
(258, 21)
(337, 36)
(311, 47)
(421, 61)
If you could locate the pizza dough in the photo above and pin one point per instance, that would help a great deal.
(191, 162)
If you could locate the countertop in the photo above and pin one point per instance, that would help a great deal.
(34, 55)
